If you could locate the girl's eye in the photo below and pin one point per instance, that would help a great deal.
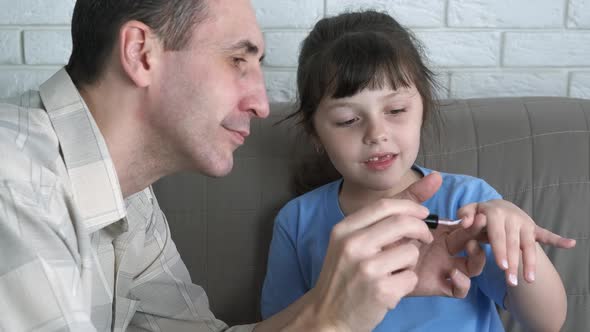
(346, 123)
(396, 111)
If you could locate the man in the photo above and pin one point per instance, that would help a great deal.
(152, 88)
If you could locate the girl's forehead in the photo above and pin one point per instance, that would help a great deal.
(382, 93)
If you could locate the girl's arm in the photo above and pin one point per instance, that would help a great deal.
(542, 304)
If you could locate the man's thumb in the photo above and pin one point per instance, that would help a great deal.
(422, 189)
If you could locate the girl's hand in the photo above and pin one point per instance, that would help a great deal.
(509, 230)
(440, 272)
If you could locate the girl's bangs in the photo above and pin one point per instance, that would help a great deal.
(365, 60)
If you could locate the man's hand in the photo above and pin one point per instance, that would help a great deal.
(370, 261)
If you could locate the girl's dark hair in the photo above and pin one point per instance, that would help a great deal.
(96, 24)
(350, 52)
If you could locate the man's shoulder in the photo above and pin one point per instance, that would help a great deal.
(28, 142)
(23, 112)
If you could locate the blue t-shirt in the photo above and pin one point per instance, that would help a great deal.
(300, 240)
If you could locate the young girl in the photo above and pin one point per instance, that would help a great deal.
(364, 94)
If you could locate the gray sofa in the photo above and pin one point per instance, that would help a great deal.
(535, 151)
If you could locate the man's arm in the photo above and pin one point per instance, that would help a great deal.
(42, 274)
(164, 296)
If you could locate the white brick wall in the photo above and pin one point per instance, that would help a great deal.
(479, 48)
(506, 13)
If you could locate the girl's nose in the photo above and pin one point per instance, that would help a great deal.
(375, 133)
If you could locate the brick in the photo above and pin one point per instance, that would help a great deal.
(36, 11)
(547, 49)
(47, 46)
(13, 82)
(426, 13)
(579, 14)
(506, 13)
(280, 85)
(10, 47)
(462, 49)
(580, 85)
(503, 84)
(288, 13)
(282, 48)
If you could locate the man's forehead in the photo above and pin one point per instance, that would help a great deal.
(233, 25)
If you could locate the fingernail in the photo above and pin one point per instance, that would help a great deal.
(504, 264)
(513, 279)
(531, 276)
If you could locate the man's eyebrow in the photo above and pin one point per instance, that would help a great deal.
(248, 46)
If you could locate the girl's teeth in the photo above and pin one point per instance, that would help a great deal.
(377, 158)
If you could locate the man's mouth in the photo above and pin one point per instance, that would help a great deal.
(239, 135)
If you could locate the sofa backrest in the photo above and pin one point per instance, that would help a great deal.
(535, 151)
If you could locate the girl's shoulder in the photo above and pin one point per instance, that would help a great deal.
(453, 181)
(463, 188)
(311, 200)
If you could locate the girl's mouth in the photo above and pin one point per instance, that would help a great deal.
(380, 162)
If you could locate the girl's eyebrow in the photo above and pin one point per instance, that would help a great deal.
(345, 103)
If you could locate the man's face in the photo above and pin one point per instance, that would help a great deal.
(205, 95)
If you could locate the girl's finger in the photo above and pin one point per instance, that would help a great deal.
(547, 237)
(497, 237)
(512, 230)
(476, 259)
(529, 254)
(467, 214)
(460, 284)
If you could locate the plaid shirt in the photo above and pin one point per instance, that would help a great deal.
(75, 255)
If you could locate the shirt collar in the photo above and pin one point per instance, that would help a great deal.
(95, 185)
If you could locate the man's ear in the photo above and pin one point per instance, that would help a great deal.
(139, 51)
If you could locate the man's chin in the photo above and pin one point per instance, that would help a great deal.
(218, 170)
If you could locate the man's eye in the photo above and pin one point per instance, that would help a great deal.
(238, 61)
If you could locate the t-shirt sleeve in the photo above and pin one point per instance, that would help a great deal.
(284, 282)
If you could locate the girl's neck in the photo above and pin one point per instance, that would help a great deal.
(353, 197)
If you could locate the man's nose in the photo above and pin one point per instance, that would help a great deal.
(256, 100)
